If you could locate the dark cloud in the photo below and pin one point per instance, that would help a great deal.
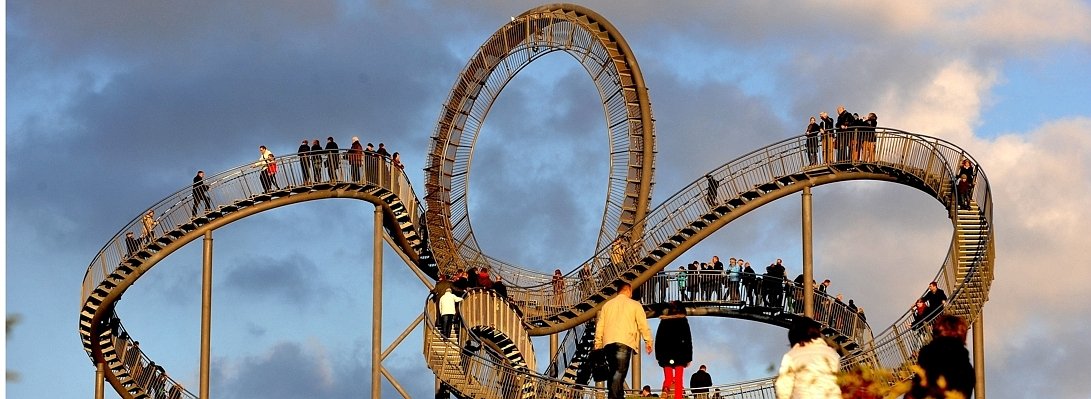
(292, 279)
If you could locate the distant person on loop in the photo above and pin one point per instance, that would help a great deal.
(314, 158)
(267, 163)
(558, 286)
(148, 221)
(200, 193)
(382, 151)
(868, 137)
(396, 160)
(809, 369)
(447, 311)
(356, 158)
(620, 325)
(131, 244)
(827, 128)
(963, 189)
(945, 362)
(812, 141)
(333, 165)
(845, 140)
(713, 190)
(967, 168)
(304, 161)
(673, 349)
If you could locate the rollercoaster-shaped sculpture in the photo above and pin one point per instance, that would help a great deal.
(635, 242)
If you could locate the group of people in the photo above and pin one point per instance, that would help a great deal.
(810, 368)
(448, 291)
(928, 306)
(314, 158)
(850, 138)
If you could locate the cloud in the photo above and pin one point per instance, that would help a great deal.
(292, 279)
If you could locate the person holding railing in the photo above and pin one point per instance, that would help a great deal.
(200, 193)
(826, 128)
(845, 141)
(935, 298)
(812, 141)
(314, 158)
(355, 158)
(304, 161)
(333, 164)
(680, 279)
(558, 286)
(733, 271)
(751, 283)
(148, 222)
(131, 244)
(868, 138)
(268, 164)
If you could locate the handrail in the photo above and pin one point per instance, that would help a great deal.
(232, 191)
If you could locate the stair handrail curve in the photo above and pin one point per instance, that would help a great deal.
(484, 308)
(237, 193)
(600, 48)
(746, 174)
(920, 161)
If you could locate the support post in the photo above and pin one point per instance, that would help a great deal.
(100, 380)
(808, 256)
(979, 355)
(377, 305)
(206, 314)
(636, 366)
(553, 342)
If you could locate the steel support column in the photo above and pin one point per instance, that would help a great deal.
(377, 304)
(553, 342)
(979, 355)
(100, 380)
(808, 255)
(206, 314)
(636, 366)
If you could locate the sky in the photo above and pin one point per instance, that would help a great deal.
(111, 106)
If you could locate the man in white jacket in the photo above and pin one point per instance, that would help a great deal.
(447, 311)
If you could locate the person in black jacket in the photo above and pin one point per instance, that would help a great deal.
(700, 381)
(304, 161)
(315, 160)
(333, 165)
(673, 349)
(845, 140)
(945, 362)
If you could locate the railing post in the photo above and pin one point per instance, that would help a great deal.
(377, 304)
(206, 314)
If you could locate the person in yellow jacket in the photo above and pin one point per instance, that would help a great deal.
(620, 326)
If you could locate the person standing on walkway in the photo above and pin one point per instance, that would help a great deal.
(314, 157)
(809, 369)
(812, 141)
(333, 165)
(447, 311)
(304, 161)
(673, 349)
(700, 381)
(200, 192)
(356, 158)
(620, 325)
(148, 221)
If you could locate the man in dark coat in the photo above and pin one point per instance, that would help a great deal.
(200, 192)
(673, 348)
(845, 124)
(304, 161)
(315, 160)
(700, 381)
(333, 165)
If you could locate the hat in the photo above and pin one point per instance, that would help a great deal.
(354, 138)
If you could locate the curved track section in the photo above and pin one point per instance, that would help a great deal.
(596, 45)
(235, 194)
(762, 176)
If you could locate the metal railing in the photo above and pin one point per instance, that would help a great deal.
(231, 191)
